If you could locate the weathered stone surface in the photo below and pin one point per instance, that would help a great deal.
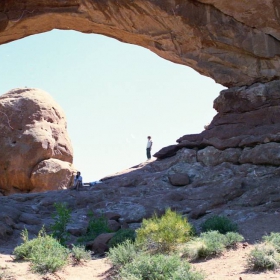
(262, 154)
(33, 133)
(179, 179)
(99, 245)
(246, 99)
(247, 116)
(234, 42)
(168, 151)
(52, 174)
(253, 13)
(5, 230)
(112, 216)
(114, 225)
(212, 156)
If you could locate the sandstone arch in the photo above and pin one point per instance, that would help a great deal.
(234, 42)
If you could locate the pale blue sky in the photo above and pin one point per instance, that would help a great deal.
(113, 94)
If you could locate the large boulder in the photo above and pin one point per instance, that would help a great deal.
(52, 174)
(36, 152)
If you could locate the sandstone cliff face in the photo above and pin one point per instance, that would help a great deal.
(234, 42)
(33, 130)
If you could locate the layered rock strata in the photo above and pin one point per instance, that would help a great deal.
(36, 152)
(247, 117)
(234, 42)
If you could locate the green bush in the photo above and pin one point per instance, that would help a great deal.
(220, 223)
(23, 251)
(79, 253)
(274, 239)
(61, 217)
(263, 256)
(214, 242)
(122, 253)
(95, 227)
(120, 236)
(210, 243)
(45, 253)
(194, 249)
(232, 238)
(158, 267)
(163, 234)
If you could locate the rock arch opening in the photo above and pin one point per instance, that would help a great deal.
(113, 94)
(235, 44)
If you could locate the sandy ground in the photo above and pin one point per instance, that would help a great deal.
(95, 269)
(229, 266)
(232, 265)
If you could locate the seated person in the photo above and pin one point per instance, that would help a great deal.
(78, 181)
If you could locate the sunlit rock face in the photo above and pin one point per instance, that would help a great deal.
(234, 42)
(36, 153)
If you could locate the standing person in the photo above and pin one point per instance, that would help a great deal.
(149, 147)
(78, 181)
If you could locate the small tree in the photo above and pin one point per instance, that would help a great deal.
(61, 217)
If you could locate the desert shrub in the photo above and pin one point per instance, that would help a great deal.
(45, 253)
(62, 217)
(232, 238)
(95, 227)
(220, 223)
(210, 243)
(158, 267)
(122, 253)
(79, 253)
(214, 241)
(193, 231)
(163, 234)
(274, 239)
(121, 236)
(23, 251)
(194, 249)
(263, 256)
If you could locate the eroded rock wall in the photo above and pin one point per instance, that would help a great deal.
(234, 42)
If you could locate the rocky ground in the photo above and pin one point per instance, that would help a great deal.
(246, 193)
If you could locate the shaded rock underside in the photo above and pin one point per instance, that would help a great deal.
(234, 42)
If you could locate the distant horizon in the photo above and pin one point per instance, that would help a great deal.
(113, 94)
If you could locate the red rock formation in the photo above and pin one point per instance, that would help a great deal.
(33, 134)
(234, 42)
(247, 116)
